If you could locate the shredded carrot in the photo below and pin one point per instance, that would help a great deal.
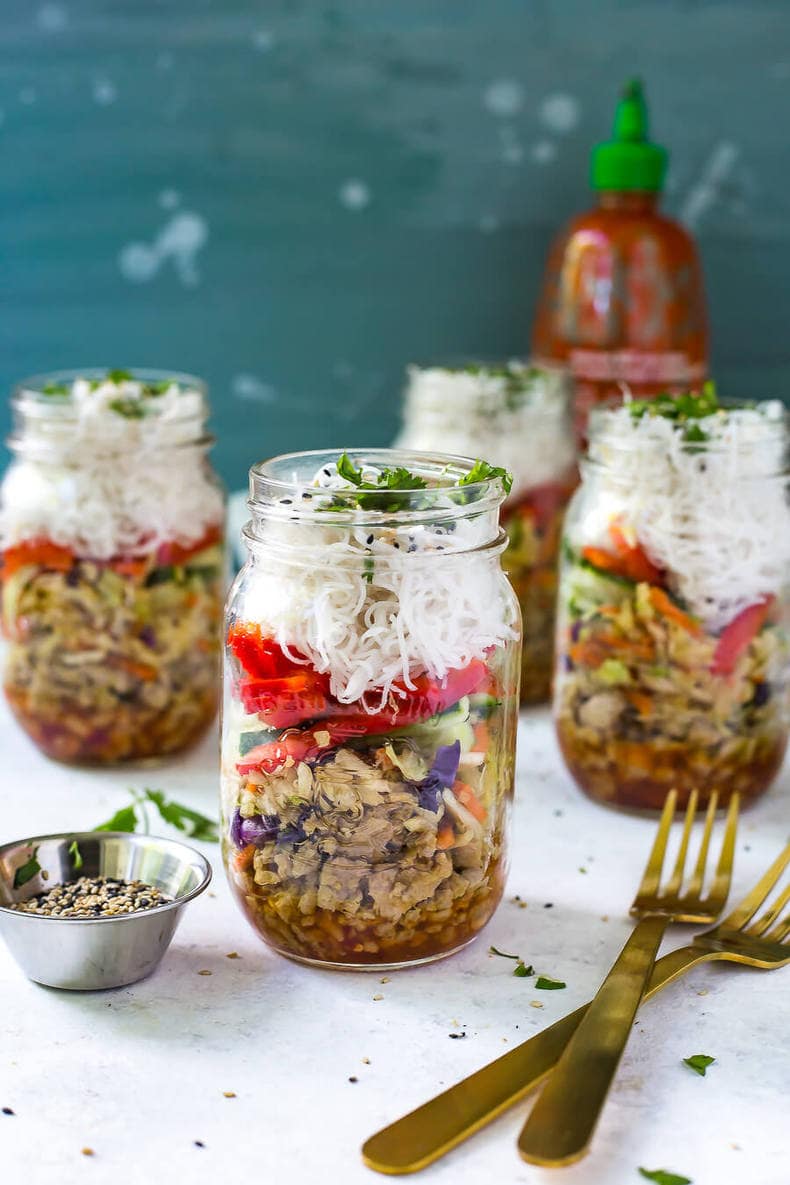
(445, 836)
(482, 738)
(140, 670)
(137, 569)
(467, 798)
(667, 608)
(244, 858)
(641, 701)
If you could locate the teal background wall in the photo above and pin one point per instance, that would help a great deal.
(295, 199)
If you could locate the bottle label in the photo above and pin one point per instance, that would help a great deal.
(636, 367)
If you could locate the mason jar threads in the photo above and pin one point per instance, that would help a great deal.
(672, 651)
(518, 416)
(370, 707)
(112, 572)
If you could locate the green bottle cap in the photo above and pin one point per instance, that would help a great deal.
(629, 160)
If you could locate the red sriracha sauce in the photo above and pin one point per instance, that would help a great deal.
(623, 302)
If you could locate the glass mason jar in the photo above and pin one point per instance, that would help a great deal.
(672, 651)
(370, 708)
(517, 416)
(111, 529)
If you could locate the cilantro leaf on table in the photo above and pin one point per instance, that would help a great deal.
(699, 1062)
(503, 954)
(136, 817)
(662, 1177)
(27, 871)
(545, 983)
(124, 819)
(522, 971)
(196, 825)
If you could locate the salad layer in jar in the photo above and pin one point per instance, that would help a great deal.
(518, 416)
(672, 640)
(112, 566)
(370, 707)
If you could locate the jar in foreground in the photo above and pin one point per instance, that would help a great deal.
(111, 527)
(517, 416)
(672, 663)
(370, 708)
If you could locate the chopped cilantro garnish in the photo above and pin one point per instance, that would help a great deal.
(662, 1177)
(545, 983)
(699, 1062)
(132, 409)
(522, 971)
(76, 855)
(348, 470)
(157, 388)
(27, 871)
(482, 471)
(503, 954)
(690, 405)
(55, 389)
(119, 376)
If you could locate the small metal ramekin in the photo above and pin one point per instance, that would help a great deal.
(85, 954)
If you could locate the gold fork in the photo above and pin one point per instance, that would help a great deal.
(561, 1124)
(425, 1134)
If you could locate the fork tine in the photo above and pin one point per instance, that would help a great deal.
(771, 914)
(652, 876)
(779, 932)
(720, 888)
(695, 884)
(747, 908)
(672, 888)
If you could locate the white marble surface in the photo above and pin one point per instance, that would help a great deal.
(138, 1074)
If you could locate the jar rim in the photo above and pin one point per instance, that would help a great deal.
(275, 495)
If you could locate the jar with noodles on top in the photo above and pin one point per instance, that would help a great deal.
(518, 416)
(672, 651)
(370, 709)
(112, 570)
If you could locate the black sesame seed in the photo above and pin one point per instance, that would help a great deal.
(286, 501)
(369, 540)
(8, 1111)
(199, 1144)
(549, 905)
(353, 1079)
(456, 1036)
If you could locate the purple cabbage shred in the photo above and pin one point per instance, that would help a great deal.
(440, 777)
(258, 830)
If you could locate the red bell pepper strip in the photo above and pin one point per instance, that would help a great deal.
(298, 744)
(283, 703)
(261, 656)
(42, 552)
(289, 706)
(736, 638)
(177, 553)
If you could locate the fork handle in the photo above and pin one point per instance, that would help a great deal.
(431, 1130)
(561, 1124)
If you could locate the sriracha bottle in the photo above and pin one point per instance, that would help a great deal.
(623, 303)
